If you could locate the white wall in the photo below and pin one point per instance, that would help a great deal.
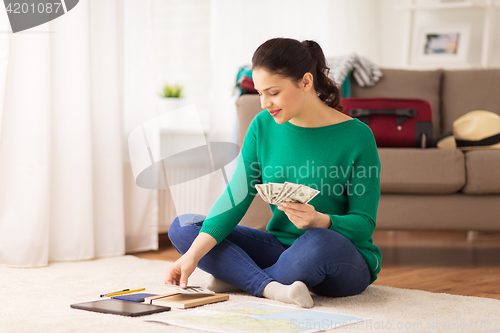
(392, 30)
(394, 24)
(238, 27)
(202, 43)
(181, 43)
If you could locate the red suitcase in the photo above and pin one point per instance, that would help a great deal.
(395, 122)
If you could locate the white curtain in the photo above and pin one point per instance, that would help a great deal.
(65, 191)
(142, 205)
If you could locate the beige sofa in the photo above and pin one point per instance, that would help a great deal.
(431, 188)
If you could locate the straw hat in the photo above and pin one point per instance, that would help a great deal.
(474, 130)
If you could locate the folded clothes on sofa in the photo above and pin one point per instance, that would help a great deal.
(365, 72)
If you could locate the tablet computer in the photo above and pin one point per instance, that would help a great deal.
(119, 307)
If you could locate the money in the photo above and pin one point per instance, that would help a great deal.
(276, 193)
(261, 189)
(288, 189)
(303, 194)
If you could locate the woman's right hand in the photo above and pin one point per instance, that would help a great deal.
(179, 272)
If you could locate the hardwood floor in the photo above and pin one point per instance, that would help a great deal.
(165, 251)
(440, 262)
(436, 261)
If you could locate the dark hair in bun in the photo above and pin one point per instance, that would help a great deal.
(292, 59)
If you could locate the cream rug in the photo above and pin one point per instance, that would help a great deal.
(38, 300)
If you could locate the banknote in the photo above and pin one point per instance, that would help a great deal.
(276, 193)
(262, 190)
(288, 189)
(303, 194)
(274, 190)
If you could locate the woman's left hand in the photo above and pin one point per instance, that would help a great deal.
(305, 216)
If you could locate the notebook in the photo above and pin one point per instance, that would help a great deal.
(139, 297)
(185, 300)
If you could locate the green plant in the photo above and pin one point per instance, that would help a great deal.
(171, 91)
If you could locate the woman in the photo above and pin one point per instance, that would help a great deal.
(324, 246)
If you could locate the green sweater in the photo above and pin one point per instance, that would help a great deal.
(340, 160)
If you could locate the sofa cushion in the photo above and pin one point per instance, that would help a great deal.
(247, 107)
(258, 214)
(399, 83)
(483, 175)
(415, 170)
(456, 211)
(468, 90)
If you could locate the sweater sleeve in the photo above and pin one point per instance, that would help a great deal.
(234, 202)
(363, 193)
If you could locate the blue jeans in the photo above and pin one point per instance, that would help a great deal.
(326, 261)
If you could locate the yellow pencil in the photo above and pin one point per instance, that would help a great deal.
(126, 292)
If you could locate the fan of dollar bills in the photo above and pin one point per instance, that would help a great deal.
(276, 193)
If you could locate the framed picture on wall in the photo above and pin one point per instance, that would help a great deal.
(441, 44)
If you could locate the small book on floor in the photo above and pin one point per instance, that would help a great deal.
(192, 296)
(139, 297)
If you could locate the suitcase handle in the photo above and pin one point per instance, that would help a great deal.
(401, 114)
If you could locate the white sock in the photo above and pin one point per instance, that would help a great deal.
(219, 286)
(295, 293)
